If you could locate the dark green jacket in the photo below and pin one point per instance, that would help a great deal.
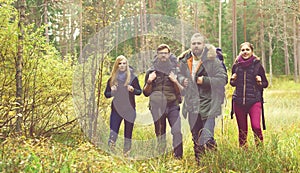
(163, 91)
(205, 99)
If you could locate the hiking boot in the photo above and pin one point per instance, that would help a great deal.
(211, 144)
(111, 145)
(199, 151)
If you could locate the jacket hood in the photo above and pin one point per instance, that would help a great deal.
(172, 58)
(209, 48)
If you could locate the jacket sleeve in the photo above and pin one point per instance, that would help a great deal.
(182, 68)
(264, 79)
(217, 77)
(107, 92)
(136, 86)
(233, 70)
(147, 89)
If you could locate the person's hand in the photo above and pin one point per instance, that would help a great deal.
(151, 77)
(185, 82)
(258, 80)
(172, 77)
(130, 88)
(234, 76)
(113, 88)
(200, 80)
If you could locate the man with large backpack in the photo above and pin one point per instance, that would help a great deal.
(162, 87)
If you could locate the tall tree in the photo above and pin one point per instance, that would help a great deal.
(46, 20)
(19, 67)
(245, 20)
(80, 31)
(234, 30)
(285, 43)
(220, 24)
(298, 40)
(295, 48)
(262, 32)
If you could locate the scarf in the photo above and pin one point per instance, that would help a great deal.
(122, 76)
(245, 62)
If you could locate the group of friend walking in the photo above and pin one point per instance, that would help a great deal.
(196, 79)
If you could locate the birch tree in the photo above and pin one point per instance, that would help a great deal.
(19, 67)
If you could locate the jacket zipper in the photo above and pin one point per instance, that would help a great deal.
(244, 92)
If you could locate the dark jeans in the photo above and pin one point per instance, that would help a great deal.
(196, 124)
(202, 133)
(115, 122)
(172, 114)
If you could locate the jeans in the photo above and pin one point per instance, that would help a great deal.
(115, 122)
(172, 114)
(202, 133)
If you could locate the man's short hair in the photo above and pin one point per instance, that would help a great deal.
(198, 35)
(163, 46)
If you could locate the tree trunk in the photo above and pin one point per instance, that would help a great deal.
(143, 37)
(220, 24)
(245, 21)
(262, 33)
(19, 67)
(182, 25)
(146, 33)
(46, 20)
(80, 32)
(286, 51)
(295, 48)
(234, 32)
(196, 27)
(270, 57)
(298, 41)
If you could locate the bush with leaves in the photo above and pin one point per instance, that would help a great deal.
(47, 80)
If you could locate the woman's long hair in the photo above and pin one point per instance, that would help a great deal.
(115, 71)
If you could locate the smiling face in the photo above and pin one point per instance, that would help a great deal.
(246, 50)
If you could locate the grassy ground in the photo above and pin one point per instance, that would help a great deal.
(73, 153)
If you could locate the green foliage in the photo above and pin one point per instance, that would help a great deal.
(73, 153)
(47, 80)
(48, 107)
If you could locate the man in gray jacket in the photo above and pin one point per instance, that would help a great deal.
(203, 78)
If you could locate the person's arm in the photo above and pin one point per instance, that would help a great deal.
(263, 79)
(182, 79)
(108, 92)
(216, 76)
(137, 88)
(233, 76)
(173, 78)
(147, 90)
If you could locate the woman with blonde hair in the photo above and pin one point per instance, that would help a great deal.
(122, 85)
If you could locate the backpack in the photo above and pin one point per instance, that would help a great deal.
(221, 58)
(256, 70)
